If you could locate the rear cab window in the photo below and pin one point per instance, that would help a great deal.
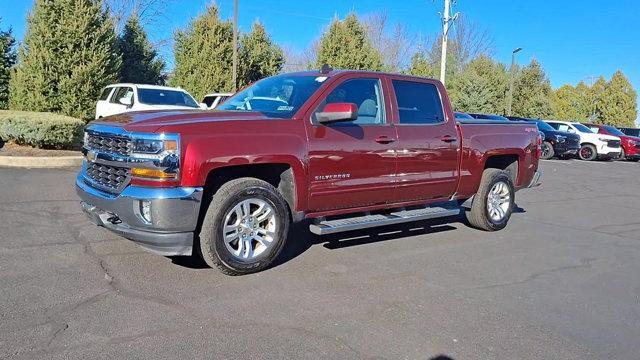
(418, 103)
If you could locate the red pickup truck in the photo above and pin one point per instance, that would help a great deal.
(345, 149)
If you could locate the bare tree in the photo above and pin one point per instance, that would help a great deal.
(149, 11)
(392, 41)
(300, 60)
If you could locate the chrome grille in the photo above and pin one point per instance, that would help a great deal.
(613, 143)
(108, 143)
(107, 177)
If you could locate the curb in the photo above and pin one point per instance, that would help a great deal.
(41, 161)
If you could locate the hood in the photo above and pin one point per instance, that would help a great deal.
(629, 138)
(151, 121)
(604, 136)
(568, 135)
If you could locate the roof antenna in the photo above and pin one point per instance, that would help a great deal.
(326, 69)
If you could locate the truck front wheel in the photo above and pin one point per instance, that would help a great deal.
(245, 227)
(493, 203)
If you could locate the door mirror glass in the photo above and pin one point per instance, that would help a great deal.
(338, 112)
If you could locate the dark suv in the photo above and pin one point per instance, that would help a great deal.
(557, 143)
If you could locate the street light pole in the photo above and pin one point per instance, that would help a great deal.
(513, 70)
(235, 45)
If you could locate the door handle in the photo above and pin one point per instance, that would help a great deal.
(384, 140)
(448, 138)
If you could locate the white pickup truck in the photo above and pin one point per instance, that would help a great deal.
(121, 98)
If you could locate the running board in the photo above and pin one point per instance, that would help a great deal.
(368, 221)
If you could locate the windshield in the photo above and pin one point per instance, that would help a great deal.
(279, 96)
(544, 126)
(613, 131)
(165, 97)
(582, 128)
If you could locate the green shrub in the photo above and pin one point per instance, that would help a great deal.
(41, 130)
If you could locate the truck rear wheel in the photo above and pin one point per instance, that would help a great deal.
(493, 203)
(245, 227)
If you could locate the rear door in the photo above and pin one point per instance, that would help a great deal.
(428, 142)
(352, 164)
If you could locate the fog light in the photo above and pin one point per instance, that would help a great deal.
(145, 210)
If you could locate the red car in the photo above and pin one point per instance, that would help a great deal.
(630, 144)
(345, 149)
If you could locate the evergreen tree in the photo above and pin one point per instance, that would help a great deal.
(532, 92)
(596, 94)
(346, 46)
(480, 87)
(618, 104)
(140, 62)
(7, 60)
(571, 103)
(69, 54)
(204, 55)
(421, 66)
(259, 56)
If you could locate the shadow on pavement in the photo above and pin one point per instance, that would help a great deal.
(300, 239)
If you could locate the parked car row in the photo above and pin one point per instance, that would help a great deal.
(566, 139)
(122, 98)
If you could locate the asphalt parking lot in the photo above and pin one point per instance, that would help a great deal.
(561, 282)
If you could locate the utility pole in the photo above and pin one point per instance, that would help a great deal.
(445, 34)
(446, 19)
(512, 71)
(235, 45)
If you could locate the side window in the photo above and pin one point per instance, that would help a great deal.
(418, 103)
(105, 94)
(564, 127)
(366, 94)
(122, 92)
(595, 129)
(554, 125)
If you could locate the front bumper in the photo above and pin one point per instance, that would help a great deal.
(173, 215)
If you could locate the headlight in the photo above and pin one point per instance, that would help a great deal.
(605, 140)
(156, 156)
(154, 148)
(560, 138)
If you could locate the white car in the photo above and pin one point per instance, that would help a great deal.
(213, 100)
(121, 98)
(592, 146)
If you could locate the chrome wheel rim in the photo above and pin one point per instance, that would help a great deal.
(498, 201)
(249, 229)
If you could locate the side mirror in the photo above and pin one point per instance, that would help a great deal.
(127, 101)
(203, 106)
(337, 112)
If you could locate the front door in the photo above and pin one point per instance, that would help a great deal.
(352, 164)
(427, 142)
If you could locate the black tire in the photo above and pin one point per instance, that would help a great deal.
(587, 152)
(635, 159)
(478, 216)
(212, 244)
(547, 150)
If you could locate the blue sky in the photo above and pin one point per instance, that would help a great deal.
(572, 39)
